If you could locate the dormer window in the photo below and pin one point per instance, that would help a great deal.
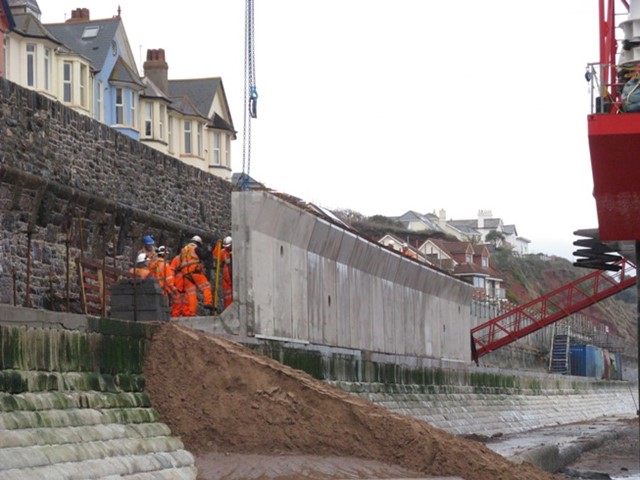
(90, 32)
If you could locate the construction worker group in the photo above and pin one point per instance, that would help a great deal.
(186, 276)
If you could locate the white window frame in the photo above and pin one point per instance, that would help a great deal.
(47, 68)
(133, 109)
(119, 104)
(170, 134)
(227, 150)
(98, 114)
(148, 120)
(199, 138)
(67, 82)
(5, 49)
(216, 148)
(83, 85)
(31, 65)
(163, 113)
(188, 147)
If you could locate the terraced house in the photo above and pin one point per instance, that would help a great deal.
(88, 65)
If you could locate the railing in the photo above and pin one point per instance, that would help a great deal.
(550, 308)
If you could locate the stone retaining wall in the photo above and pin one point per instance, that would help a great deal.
(72, 401)
(71, 186)
(458, 397)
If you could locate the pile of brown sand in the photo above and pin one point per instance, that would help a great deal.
(219, 396)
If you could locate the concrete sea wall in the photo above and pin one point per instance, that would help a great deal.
(299, 276)
(72, 401)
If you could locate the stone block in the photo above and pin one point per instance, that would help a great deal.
(139, 300)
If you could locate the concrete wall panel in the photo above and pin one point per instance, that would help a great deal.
(299, 294)
(314, 291)
(282, 288)
(328, 302)
(343, 303)
(349, 241)
(321, 238)
(301, 233)
(388, 304)
(377, 315)
(264, 275)
(340, 289)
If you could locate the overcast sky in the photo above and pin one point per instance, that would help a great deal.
(383, 106)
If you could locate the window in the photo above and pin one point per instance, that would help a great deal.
(187, 136)
(170, 133)
(133, 109)
(98, 114)
(148, 119)
(485, 262)
(163, 112)
(31, 65)
(47, 68)
(119, 107)
(227, 151)
(5, 50)
(83, 85)
(67, 84)
(469, 258)
(199, 139)
(90, 32)
(216, 148)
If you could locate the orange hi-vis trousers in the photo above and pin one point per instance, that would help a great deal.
(185, 302)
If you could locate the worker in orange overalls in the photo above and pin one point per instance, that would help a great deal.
(189, 278)
(141, 268)
(163, 272)
(222, 256)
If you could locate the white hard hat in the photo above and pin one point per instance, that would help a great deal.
(162, 250)
(196, 239)
(226, 242)
(142, 257)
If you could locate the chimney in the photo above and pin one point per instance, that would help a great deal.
(156, 69)
(442, 216)
(482, 214)
(79, 15)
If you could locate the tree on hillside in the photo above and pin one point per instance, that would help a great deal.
(495, 238)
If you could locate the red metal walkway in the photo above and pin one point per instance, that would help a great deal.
(550, 308)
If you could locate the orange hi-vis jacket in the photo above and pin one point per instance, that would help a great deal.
(139, 272)
(163, 272)
(189, 261)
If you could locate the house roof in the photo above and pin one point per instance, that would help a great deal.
(480, 249)
(26, 4)
(452, 248)
(185, 106)
(151, 90)
(95, 48)
(489, 223)
(6, 9)
(509, 229)
(124, 73)
(29, 26)
(470, 269)
(429, 220)
(202, 92)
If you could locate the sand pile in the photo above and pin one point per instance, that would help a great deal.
(219, 396)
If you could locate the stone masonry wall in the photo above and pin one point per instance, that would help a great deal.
(71, 186)
(72, 401)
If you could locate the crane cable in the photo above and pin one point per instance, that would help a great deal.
(250, 91)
